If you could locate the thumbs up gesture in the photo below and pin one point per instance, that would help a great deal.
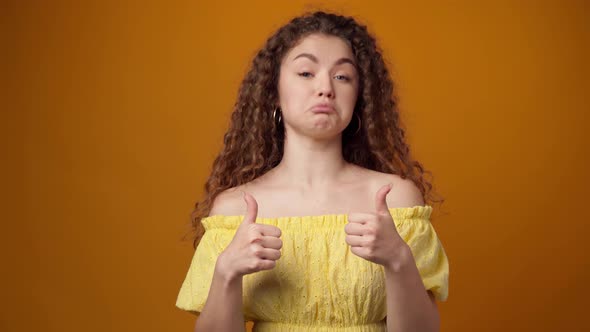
(373, 236)
(254, 247)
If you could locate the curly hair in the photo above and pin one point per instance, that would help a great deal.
(253, 144)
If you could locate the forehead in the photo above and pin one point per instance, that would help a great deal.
(324, 47)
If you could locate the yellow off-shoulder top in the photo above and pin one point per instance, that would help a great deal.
(318, 284)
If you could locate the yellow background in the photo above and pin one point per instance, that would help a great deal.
(113, 113)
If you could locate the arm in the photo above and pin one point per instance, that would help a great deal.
(223, 309)
(410, 307)
(254, 247)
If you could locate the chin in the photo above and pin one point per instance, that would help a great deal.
(323, 133)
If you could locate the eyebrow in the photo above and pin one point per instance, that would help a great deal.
(315, 59)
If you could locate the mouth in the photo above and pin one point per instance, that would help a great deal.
(322, 109)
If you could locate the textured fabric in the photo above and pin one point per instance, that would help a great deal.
(318, 284)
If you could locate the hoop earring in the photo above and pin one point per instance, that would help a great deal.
(274, 115)
(359, 127)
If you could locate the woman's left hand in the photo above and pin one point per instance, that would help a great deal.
(373, 236)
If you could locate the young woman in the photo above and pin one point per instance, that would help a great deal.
(314, 217)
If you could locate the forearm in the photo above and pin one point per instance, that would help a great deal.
(409, 308)
(223, 309)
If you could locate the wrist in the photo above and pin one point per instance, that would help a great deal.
(224, 272)
(400, 261)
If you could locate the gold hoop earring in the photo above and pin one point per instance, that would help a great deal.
(274, 115)
(359, 127)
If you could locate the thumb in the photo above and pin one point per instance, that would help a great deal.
(380, 199)
(251, 209)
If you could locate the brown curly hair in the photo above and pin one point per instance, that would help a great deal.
(253, 144)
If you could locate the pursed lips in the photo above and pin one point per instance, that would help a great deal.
(322, 108)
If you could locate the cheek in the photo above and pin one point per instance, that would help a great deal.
(349, 94)
(353, 96)
(293, 96)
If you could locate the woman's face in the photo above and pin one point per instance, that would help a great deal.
(318, 86)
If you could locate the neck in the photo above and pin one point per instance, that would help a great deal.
(311, 164)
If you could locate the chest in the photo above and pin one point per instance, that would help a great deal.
(337, 201)
(317, 280)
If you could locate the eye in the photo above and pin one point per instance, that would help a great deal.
(342, 78)
(305, 74)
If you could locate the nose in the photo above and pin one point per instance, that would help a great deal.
(325, 88)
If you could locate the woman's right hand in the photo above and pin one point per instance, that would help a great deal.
(254, 247)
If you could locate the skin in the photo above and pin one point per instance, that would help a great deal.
(314, 179)
(320, 69)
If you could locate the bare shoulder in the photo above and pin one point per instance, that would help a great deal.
(229, 202)
(404, 192)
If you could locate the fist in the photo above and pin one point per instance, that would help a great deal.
(373, 236)
(253, 248)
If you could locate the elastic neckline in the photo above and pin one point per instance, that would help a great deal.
(331, 220)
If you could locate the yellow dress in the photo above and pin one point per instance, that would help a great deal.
(318, 284)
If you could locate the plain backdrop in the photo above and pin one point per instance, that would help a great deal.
(113, 111)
